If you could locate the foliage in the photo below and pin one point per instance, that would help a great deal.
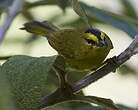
(27, 77)
(25, 80)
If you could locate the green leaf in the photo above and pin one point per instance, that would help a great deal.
(130, 26)
(28, 79)
(5, 95)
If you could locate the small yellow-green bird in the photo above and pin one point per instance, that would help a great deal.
(83, 49)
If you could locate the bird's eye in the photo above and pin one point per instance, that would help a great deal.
(90, 41)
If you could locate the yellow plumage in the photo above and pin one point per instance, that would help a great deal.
(82, 49)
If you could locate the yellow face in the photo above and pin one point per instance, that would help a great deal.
(95, 37)
(91, 37)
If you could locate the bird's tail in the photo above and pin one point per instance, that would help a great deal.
(39, 28)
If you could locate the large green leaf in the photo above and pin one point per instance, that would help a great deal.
(128, 25)
(16, 68)
(5, 96)
(28, 79)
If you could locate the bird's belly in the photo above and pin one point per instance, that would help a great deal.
(88, 62)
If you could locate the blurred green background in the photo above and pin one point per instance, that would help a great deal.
(117, 18)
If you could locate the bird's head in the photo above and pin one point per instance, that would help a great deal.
(95, 37)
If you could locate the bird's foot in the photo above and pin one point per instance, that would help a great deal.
(112, 60)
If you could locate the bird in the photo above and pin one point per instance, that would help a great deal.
(83, 49)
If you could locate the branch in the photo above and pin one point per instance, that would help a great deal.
(68, 92)
(15, 8)
(109, 67)
(80, 11)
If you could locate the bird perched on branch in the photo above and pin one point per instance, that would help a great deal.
(83, 49)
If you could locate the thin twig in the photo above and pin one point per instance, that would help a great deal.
(109, 67)
(11, 13)
(80, 11)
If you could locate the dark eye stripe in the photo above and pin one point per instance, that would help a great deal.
(89, 41)
(95, 32)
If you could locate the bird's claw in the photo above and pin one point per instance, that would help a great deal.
(112, 61)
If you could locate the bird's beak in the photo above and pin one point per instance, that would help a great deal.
(102, 43)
